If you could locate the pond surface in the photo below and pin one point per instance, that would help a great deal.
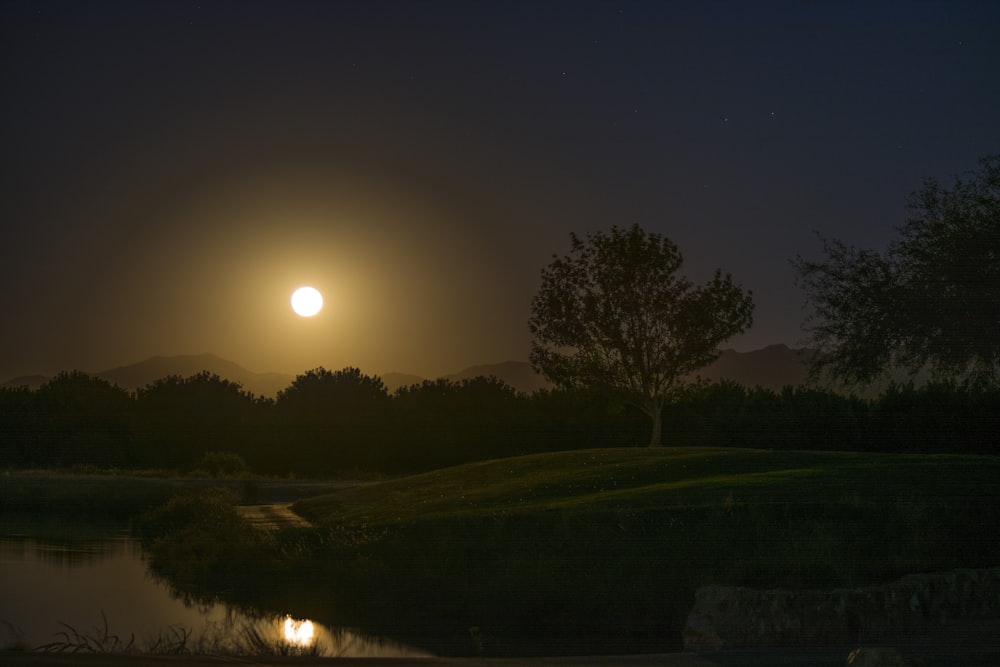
(65, 585)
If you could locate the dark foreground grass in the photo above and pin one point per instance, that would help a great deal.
(603, 479)
(120, 496)
(601, 551)
(81, 496)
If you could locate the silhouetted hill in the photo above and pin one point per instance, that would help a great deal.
(772, 367)
(145, 372)
(394, 381)
(29, 381)
(518, 374)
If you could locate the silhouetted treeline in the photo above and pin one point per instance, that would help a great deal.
(327, 422)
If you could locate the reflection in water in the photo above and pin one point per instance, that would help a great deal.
(59, 544)
(102, 589)
(299, 633)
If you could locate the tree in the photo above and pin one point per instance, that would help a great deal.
(82, 419)
(178, 419)
(336, 419)
(614, 314)
(931, 301)
(445, 422)
(347, 392)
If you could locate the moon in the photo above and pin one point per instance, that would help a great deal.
(307, 301)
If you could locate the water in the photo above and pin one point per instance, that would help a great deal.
(70, 584)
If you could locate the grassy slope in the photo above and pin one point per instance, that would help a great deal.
(643, 479)
(600, 551)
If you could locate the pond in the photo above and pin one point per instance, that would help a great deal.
(68, 586)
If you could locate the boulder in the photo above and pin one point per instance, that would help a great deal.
(727, 617)
(877, 657)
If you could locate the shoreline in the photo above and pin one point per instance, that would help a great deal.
(969, 643)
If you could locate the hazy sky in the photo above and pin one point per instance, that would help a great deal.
(172, 170)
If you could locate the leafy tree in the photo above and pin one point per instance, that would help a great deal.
(614, 314)
(338, 418)
(449, 422)
(930, 301)
(223, 464)
(18, 426)
(345, 391)
(179, 419)
(82, 419)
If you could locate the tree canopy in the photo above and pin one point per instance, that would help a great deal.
(615, 314)
(931, 301)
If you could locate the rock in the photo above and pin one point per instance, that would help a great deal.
(726, 617)
(880, 657)
(876, 657)
(701, 635)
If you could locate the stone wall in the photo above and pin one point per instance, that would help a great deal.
(730, 617)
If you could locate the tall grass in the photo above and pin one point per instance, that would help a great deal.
(248, 640)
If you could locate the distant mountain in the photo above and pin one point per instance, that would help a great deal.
(772, 367)
(145, 372)
(518, 374)
(29, 381)
(394, 381)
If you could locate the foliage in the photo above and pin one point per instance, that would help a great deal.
(177, 640)
(80, 419)
(332, 416)
(223, 464)
(444, 422)
(200, 538)
(929, 301)
(178, 419)
(441, 423)
(102, 640)
(615, 314)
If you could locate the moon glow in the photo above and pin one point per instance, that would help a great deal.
(307, 301)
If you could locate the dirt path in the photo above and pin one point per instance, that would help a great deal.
(273, 516)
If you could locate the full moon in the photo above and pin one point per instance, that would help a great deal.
(307, 301)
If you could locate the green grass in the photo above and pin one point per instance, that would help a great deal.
(600, 551)
(640, 479)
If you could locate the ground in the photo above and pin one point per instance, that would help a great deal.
(971, 644)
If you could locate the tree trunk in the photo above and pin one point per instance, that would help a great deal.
(656, 414)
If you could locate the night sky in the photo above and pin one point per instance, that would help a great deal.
(172, 170)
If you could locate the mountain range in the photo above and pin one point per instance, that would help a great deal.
(772, 367)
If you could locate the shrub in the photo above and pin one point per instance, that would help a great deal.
(223, 464)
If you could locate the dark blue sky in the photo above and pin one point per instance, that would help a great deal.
(171, 170)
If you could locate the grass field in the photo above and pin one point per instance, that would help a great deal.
(643, 479)
(600, 551)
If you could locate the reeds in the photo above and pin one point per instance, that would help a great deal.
(101, 641)
(248, 640)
